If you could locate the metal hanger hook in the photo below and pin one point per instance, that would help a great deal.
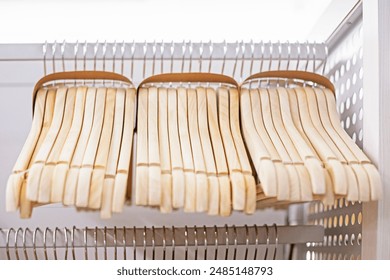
(226, 242)
(75, 52)
(154, 50)
(216, 242)
(224, 57)
(205, 242)
(211, 48)
(54, 49)
(24, 242)
(16, 237)
(7, 244)
(267, 241)
(186, 243)
(44, 50)
(62, 55)
(276, 241)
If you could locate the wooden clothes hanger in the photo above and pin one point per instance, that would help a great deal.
(15, 181)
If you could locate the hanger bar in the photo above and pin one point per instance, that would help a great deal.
(144, 51)
(284, 234)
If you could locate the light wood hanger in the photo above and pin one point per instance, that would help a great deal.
(225, 196)
(213, 191)
(142, 170)
(85, 173)
(373, 174)
(113, 156)
(236, 177)
(288, 187)
(154, 189)
(357, 178)
(99, 168)
(295, 131)
(178, 178)
(45, 184)
(73, 173)
(15, 181)
(282, 181)
(326, 154)
(250, 203)
(186, 150)
(202, 187)
(262, 159)
(165, 153)
(26, 204)
(304, 182)
(34, 177)
(122, 172)
(61, 169)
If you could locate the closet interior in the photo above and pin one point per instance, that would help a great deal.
(191, 150)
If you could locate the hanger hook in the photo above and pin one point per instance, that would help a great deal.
(246, 242)
(226, 242)
(162, 49)
(237, 49)
(256, 242)
(145, 50)
(201, 50)
(216, 242)
(24, 242)
(307, 55)
(266, 249)
(124, 243)
(123, 48)
(7, 244)
(95, 50)
(288, 55)
(252, 46)
(85, 49)
(196, 242)
(153, 244)
(86, 243)
(95, 241)
(114, 48)
(186, 243)
(132, 52)
(115, 244)
(298, 55)
(44, 242)
(105, 242)
(16, 237)
(205, 241)
(211, 48)
(55, 243)
(75, 50)
(262, 50)
(326, 59)
(270, 60)
(172, 52)
(173, 242)
(164, 243)
(154, 50)
(224, 57)
(144, 241)
(62, 55)
(279, 54)
(242, 60)
(104, 55)
(44, 50)
(191, 48)
(66, 243)
(276, 241)
(134, 243)
(72, 239)
(314, 56)
(54, 49)
(34, 241)
(183, 50)
(235, 243)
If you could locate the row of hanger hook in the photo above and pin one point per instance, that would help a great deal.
(69, 242)
(240, 51)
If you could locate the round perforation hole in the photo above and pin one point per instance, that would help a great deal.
(342, 124)
(348, 103)
(361, 94)
(340, 221)
(346, 220)
(342, 70)
(354, 98)
(359, 239)
(360, 135)
(346, 239)
(353, 219)
(330, 222)
(342, 107)
(340, 240)
(354, 78)
(354, 118)
(354, 59)
(354, 136)
(360, 218)
(335, 222)
(361, 73)
(348, 65)
(347, 122)
(353, 239)
(361, 114)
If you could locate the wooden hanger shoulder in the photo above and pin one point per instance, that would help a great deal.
(122, 173)
(236, 176)
(219, 154)
(186, 150)
(65, 158)
(47, 145)
(73, 173)
(250, 183)
(201, 201)
(178, 179)
(14, 183)
(165, 153)
(113, 155)
(261, 157)
(99, 168)
(213, 192)
(86, 168)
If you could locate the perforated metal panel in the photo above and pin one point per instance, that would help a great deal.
(343, 221)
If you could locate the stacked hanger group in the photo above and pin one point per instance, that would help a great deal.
(79, 148)
(297, 144)
(190, 152)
